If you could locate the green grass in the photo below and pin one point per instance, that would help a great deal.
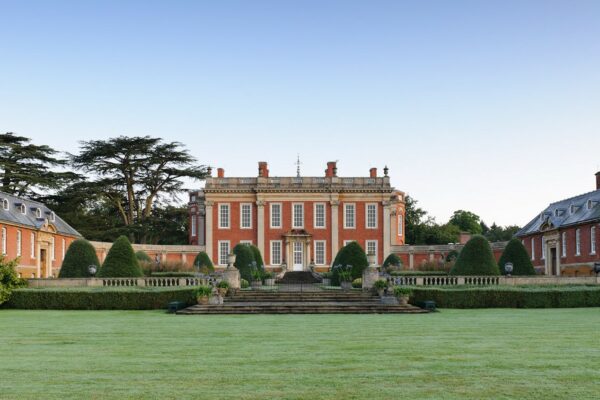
(454, 354)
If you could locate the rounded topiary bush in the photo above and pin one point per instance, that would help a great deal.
(80, 255)
(257, 256)
(120, 261)
(142, 257)
(243, 261)
(202, 261)
(393, 262)
(516, 253)
(351, 254)
(476, 258)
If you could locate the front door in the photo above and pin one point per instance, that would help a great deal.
(43, 266)
(298, 256)
(553, 261)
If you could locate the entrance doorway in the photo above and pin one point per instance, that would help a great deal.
(553, 269)
(43, 265)
(298, 256)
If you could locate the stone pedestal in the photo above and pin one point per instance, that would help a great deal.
(370, 275)
(232, 276)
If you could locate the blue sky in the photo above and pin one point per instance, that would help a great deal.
(487, 106)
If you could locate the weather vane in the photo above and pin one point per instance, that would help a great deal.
(298, 163)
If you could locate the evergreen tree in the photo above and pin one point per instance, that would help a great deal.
(476, 258)
(120, 261)
(79, 257)
(516, 253)
(392, 261)
(257, 257)
(351, 254)
(244, 259)
(202, 261)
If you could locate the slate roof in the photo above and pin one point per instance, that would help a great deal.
(573, 211)
(14, 215)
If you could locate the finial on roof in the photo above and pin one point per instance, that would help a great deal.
(298, 163)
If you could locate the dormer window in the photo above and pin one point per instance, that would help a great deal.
(5, 205)
(52, 216)
(591, 204)
(572, 209)
(38, 213)
(23, 209)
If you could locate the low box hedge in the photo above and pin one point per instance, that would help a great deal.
(509, 297)
(99, 298)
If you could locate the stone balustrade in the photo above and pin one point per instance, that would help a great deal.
(451, 280)
(125, 282)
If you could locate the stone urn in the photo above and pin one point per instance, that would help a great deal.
(345, 285)
(223, 291)
(403, 300)
(256, 284)
(202, 300)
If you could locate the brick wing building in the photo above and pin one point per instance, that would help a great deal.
(32, 232)
(564, 238)
(297, 221)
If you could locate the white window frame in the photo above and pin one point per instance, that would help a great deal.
(19, 243)
(249, 226)
(316, 226)
(593, 240)
(563, 244)
(5, 205)
(222, 259)
(194, 223)
(273, 260)
(400, 225)
(346, 207)
(347, 242)
(223, 206)
(294, 225)
(376, 247)
(279, 217)
(324, 243)
(23, 209)
(52, 216)
(578, 242)
(64, 248)
(367, 205)
(246, 242)
(52, 249)
(32, 238)
(543, 257)
(38, 213)
(532, 248)
(4, 240)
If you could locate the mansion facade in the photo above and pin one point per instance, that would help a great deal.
(564, 239)
(31, 232)
(296, 222)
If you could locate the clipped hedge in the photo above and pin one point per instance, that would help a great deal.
(80, 255)
(516, 253)
(351, 254)
(120, 261)
(476, 258)
(99, 298)
(203, 261)
(509, 297)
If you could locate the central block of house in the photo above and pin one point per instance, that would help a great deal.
(297, 221)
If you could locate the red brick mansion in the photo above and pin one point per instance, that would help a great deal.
(564, 239)
(297, 221)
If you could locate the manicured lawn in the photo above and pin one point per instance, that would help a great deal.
(474, 354)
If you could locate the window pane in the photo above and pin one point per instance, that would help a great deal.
(319, 215)
(298, 221)
(371, 216)
(276, 253)
(276, 215)
(350, 223)
(320, 252)
(246, 216)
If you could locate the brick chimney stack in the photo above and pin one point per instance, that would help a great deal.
(220, 173)
(331, 170)
(263, 170)
(598, 180)
(373, 172)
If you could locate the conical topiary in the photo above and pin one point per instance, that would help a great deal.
(78, 259)
(257, 256)
(202, 261)
(392, 261)
(120, 261)
(351, 254)
(244, 257)
(476, 258)
(516, 253)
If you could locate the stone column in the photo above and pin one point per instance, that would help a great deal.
(209, 229)
(411, 259)
(386, 228)
(308, 259)
(370, 274)
(334, 228)
(260, 227)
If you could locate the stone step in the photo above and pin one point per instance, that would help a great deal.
(300, 308)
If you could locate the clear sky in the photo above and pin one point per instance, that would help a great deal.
(493, 107)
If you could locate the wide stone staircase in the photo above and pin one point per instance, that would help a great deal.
(308, 302)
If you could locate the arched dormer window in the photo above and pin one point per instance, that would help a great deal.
(23, 209)
(5, 205)
(38, 213)
(52, 216)
(572, 209)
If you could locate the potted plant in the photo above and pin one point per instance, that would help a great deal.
(223, 287)
(403, 294)
(202, 294)
(256, 278)
(345, 276)
(326, 278)
(380, 285)
(269, 278)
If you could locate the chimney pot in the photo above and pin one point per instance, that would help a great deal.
(373, 172)
(263, 170)
(220, 173)
(331, 170)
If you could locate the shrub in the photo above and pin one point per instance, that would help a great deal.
(257, 257)
(351, 254)
(380, 284)
(202, 291)
(257, 275)
(100, 298)
(516, 254)
(80, 255)
(400, 291)
(142, 256)
(452, 256)
(203, 263)
(510, 297)
(244, 284)
(243, 261)
(476, 258)
(435, 266)
(392, 263)
(150, 268)
(120, 261)
(9, 280)
(223, 285)
(357, 283)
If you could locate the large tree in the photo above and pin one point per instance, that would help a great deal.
(136, 173)
(467, 221)
(26, 168)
